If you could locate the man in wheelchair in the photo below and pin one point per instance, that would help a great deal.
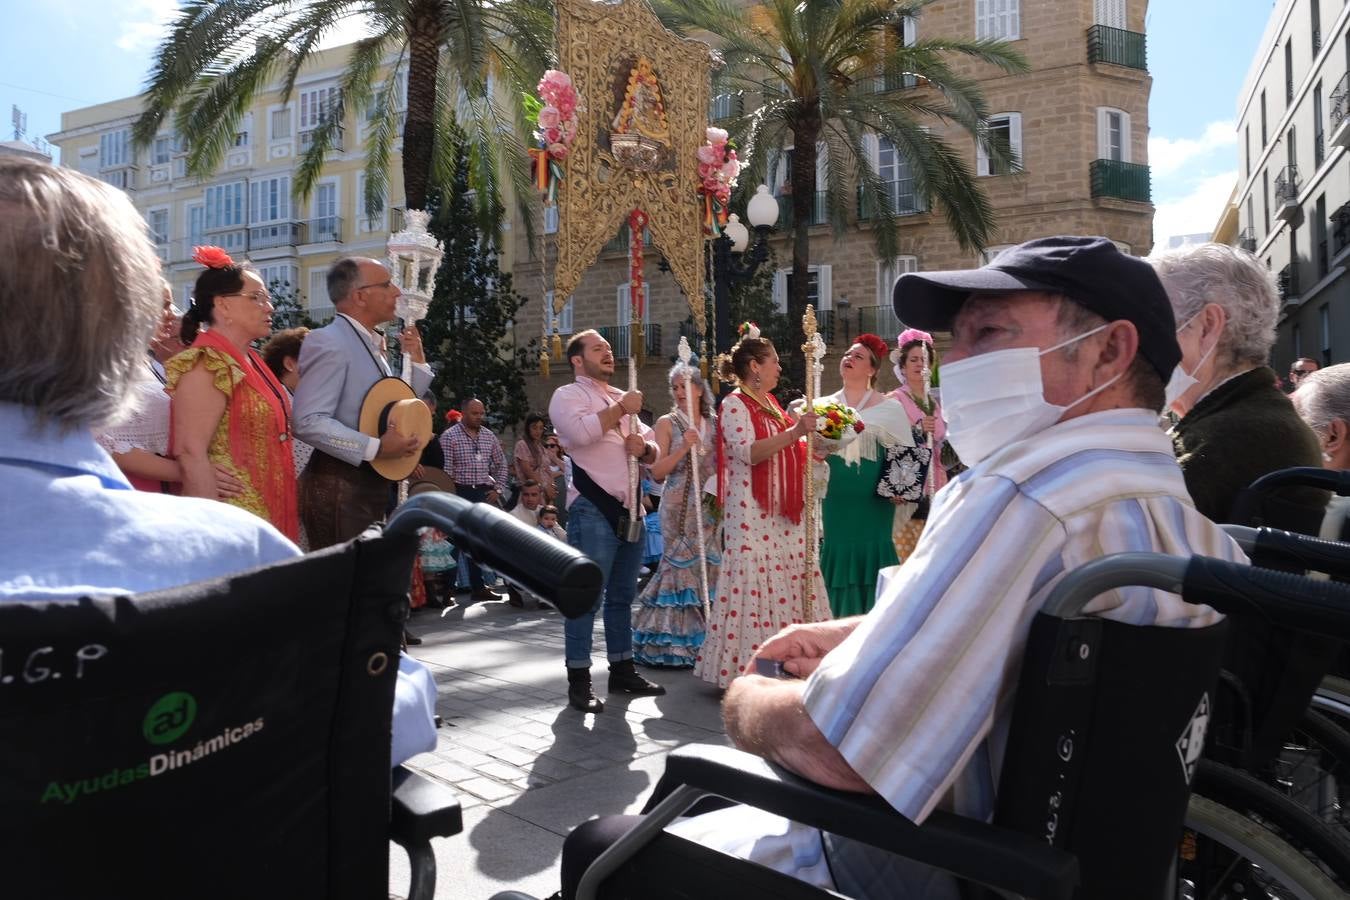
(1052, 389)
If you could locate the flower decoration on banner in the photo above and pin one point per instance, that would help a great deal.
(718, 169)
(748, 330)
(554, 116)
(212, 257)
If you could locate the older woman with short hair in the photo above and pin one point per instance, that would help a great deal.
(1323, 400)
(1235, 423)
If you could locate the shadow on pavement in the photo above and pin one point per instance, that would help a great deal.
(603, 744)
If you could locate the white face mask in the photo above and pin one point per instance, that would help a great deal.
(1181, 380)
(995, 399)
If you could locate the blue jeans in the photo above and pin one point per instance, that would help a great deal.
(619, 562)
(468, 566)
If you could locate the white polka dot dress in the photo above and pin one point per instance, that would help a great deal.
(759, 588)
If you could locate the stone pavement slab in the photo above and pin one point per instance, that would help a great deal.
(528, 768)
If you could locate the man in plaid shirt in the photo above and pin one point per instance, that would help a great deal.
(476, 464)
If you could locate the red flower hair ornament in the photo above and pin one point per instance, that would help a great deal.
(211, 257)
(875, 344)
(452, 416)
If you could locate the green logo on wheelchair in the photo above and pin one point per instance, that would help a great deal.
(169, 718)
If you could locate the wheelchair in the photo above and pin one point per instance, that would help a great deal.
(231, 738)
(1094, 792)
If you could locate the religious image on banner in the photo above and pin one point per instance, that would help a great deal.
(639, 132)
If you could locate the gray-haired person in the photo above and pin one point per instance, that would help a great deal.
(340, 494)
(668, 627)
(1323, 401)
(1235, 423)
(77, 268)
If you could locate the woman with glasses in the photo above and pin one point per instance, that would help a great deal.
(556, 473)
(228, 408)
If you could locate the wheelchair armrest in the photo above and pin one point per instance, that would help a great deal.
(987, 854)
(422, 809)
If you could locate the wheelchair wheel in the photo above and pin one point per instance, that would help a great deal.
(1324, 846)
(1313, 769)
(1227, 856)
(1333, 699)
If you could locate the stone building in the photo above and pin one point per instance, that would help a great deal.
(1078, 121)
(1293, 196)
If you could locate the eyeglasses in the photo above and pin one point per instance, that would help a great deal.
(258, 297)
(1300, 372)
(382, 284)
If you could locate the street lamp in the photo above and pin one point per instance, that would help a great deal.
(762, 211)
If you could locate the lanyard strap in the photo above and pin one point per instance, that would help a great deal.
(366, 344)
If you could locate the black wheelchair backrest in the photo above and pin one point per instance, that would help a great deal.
(1108, 725)
(226, 739)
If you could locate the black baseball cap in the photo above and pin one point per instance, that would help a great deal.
(1091, 271)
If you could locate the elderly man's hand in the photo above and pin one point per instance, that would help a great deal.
(802, 647)
(410, 339)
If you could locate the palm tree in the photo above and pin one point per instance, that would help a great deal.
(220, 54)
(816, 65)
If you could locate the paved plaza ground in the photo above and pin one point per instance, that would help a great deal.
(528, 768)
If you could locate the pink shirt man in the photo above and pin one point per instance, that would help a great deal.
(575, 413)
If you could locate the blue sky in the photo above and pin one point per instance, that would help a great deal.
(1198, 53)
(63, 54)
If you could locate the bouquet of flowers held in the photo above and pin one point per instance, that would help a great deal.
(836, 425)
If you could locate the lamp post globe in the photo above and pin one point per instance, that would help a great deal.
(762, 210)
(739, 234)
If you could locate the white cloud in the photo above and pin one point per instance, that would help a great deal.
(144, 23)
(1166, 155)
(1196, 212)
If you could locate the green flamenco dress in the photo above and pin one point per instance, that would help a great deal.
(856, 521)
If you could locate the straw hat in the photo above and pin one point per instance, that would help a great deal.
(391, 404)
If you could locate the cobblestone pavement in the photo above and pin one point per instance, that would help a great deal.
(527, 768)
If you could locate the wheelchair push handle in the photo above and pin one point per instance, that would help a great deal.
(1085, 583)
(1271, 546)
(523, 555)
(1334, 480)
(1320, 607)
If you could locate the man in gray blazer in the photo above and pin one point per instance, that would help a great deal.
(340, 494)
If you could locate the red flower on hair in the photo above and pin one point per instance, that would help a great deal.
(211, 257)
(875, 344)
(452, 416)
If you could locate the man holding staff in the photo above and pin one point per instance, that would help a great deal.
(600, 431)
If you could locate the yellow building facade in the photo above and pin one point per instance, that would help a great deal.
(248, 206)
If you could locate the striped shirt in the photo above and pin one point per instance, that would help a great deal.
(918, 699)
(474, 460)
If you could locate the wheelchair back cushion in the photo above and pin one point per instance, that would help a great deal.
(224, 739)
(1108, 725)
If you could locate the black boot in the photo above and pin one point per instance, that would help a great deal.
(579, 693)
(624, 679)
